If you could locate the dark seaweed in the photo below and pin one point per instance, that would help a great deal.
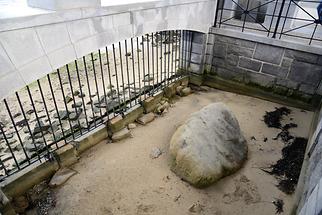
(279, 203)
(288, 168)
(273, 118)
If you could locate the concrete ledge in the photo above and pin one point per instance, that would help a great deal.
(267, 40)
(92, 138)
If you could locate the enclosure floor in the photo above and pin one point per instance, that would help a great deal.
(121, 178)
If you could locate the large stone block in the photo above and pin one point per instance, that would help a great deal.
(219, 50)
(239, 51)
(230, 74)
(198, 37)
(305, 73)
(287, 83)
(268, 53)
(301, 56)
(250, 64)
(197, 48)
(259, 79)
(309, 89)
(275, 70)
(196, 58)
(235, 41)
(312, 202)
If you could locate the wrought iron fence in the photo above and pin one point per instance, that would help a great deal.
(288, 19)
(79, 97)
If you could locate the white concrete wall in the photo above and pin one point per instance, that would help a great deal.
(33, 46)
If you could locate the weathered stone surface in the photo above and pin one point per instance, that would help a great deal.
(309, 89)
(155, 153)
(120, 135)
(267, 53)
(185, 91)
(250, 64)
(275, 70)
(131, 126)
(301, 56)
(239, 51)
(305, 73)
(208, 146)
(259, 79)
(61, 176)
(146, 118)
(219, 50)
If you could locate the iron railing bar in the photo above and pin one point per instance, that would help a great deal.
(9, 147)
(117, 81)
(127, 71)
(28, 126)
(316, 25)
(64, 98)
(148, 57)
(56, 108)
(152, 55)
(89, 91)
(103, 82)
(81, 93)
(294, 29)
(122, 72)
(16, 130)
(47, 113)
(95, 80)
(72, 92)
(288, 8)
(143, 56)
(109, 77)
(139, 73)
(133, 69)
(301, 9)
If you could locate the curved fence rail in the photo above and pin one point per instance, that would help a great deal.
(287, 19)
(77, 98)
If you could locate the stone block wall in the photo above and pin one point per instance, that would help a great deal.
(311, 195)
(193, 48)
(280, 68)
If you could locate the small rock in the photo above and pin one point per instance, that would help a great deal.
(16, 115)
(68, 99)
(161, 108)
(185, 91)
(122, 134)
(179, 89)
(75, 115)
(76, 93)
(131, 126)
(77, 105)
(155, 153)
(63, 114)
(22, 123)
(146, 118)
(128, 54)
(82, 95)
(61, 176)
(196, 208)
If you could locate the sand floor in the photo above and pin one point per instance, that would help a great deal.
(121, 178)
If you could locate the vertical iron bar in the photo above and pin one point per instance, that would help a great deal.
(273, 15)
(47, 113)
(127, 72)
(245, 15)
(143, 56)
(288, 8)
(165, 58)
(72, 91)
(138, 56)
(278, 19)
(157, 57)
(81, 93)
(110, 79)
(54, 99)
(216, 15)
(168, 57)
(117, 82)
(133, 69)
(152, 55)
(103, 82)
(176, 64)
(95, 79)
(28, 126)
(17, 132)
(64, 98)
(9, 147)
(89, 92)
(190, 52)
(122, 75)
(316, 25)
(221, 12)
(148, 53)
(37, 118)
(161, 59)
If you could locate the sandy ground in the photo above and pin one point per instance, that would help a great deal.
(121, 178)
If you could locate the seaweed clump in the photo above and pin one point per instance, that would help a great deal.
(273, 118)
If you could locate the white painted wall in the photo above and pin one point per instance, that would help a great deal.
(35, 45)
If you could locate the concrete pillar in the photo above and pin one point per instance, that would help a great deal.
(63, 4)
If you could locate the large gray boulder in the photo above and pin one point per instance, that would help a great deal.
(208, 146)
